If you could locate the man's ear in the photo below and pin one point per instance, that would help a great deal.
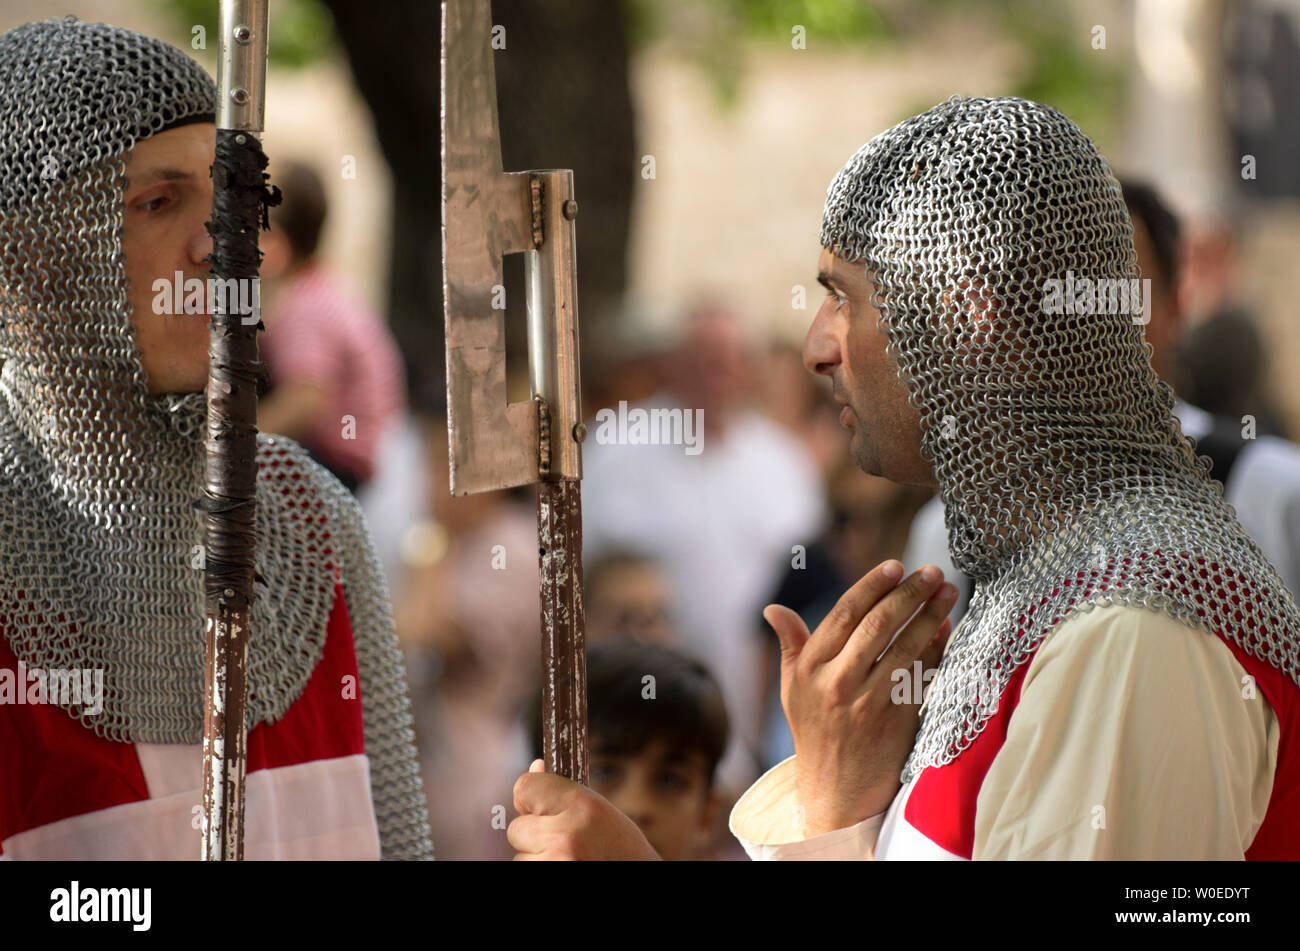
(969, 305)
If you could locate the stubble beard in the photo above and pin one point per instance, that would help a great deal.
(863, 454)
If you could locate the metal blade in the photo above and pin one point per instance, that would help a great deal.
(486, 213)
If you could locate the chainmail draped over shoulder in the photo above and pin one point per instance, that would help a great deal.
(100, 542)
(1001, 255)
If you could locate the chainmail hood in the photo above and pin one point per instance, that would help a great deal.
(1065, 476)
(100, 545)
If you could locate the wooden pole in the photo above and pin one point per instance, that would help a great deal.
(564, 651)
(239, 202)
(495, 444)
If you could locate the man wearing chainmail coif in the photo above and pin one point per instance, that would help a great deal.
(1124, 684)
(106, 140)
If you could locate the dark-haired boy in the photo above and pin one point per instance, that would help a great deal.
(658, 728)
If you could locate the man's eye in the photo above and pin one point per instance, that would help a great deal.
(153, 204)
(840, 300)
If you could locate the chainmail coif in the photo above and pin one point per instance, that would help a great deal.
(1065, 476)
(100, 543)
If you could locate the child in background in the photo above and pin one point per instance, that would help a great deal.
(657, 728)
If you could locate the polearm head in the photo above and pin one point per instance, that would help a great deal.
(487, 214)
(229, 499)
(495, 444)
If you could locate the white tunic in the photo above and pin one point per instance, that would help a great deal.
(1128, 735)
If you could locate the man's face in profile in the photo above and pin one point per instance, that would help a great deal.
(845, 344)
(168, 202)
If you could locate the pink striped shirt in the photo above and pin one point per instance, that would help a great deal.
(322, 333)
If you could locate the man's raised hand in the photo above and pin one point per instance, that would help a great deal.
(850, 738)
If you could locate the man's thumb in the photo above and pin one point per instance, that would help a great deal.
(790, 629)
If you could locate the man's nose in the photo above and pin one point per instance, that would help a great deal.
(200, 244)
(821, 350)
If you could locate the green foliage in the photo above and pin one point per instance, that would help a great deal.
(644, 22)
(299, 32)
(714, 33)
(1059, 66)
(837, 21)
(1062, 70)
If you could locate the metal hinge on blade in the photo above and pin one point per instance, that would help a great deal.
(543, 437)
(535, 194)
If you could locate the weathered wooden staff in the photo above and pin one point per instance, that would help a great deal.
(495, 444)
(239, 209)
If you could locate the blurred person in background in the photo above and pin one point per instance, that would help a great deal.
(631, 370)
(468, 621)
(337, 384)
(1221, 359)
(657, 729)
(802, 404)
(1210, 277)
(1259, 470)
(1220, 368)
(627, 594)
(720, 519)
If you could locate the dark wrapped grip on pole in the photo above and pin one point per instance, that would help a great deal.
(240, 199)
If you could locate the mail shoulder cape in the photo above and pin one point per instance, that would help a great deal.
(332, 765)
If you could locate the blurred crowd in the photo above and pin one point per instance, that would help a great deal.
(684, 543)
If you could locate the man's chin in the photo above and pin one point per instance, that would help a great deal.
(864, 459)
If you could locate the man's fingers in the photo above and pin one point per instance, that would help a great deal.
(932, 656)
(790, 629)
(919, 636)
(872, 637)
(834, 631)
(537, 766)
(541, 794)
(526, 834)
